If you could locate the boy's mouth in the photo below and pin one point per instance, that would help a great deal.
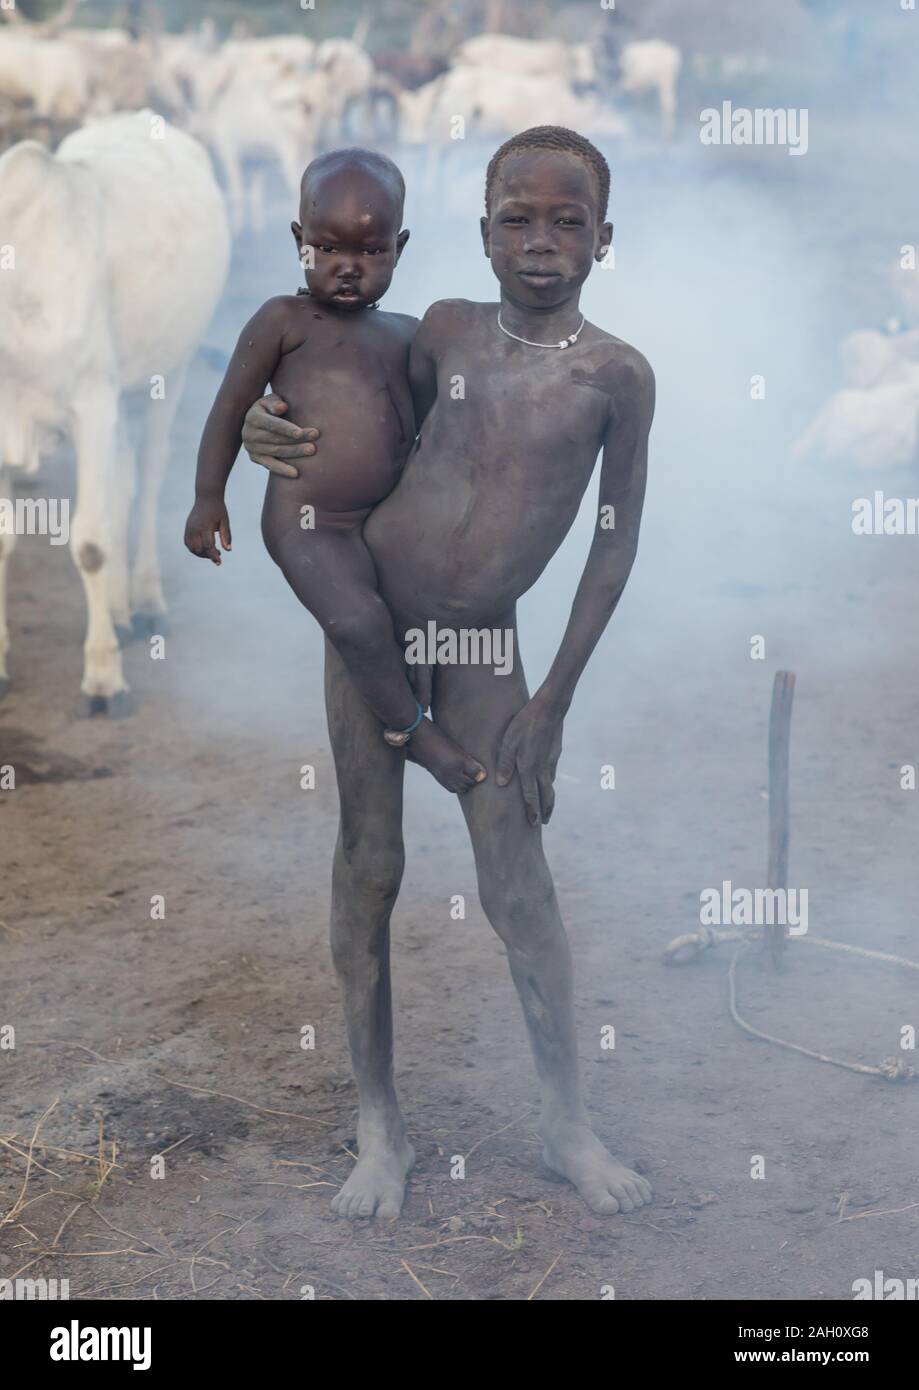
(538, 278)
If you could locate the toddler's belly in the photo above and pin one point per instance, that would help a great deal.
(337, 485)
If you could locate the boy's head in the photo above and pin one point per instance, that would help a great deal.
(546, 195)
(350, 231)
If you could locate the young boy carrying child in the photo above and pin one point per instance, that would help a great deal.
(488, 493)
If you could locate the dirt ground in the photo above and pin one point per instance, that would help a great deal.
(181, 1036)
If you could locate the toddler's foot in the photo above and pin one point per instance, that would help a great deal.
(430, 747)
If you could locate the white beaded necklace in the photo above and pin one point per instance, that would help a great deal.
(565, 342)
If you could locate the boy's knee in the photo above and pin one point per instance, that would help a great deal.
(372, 870)
(518, 905)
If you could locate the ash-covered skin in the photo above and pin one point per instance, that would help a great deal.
(343, 367)
(487, 496)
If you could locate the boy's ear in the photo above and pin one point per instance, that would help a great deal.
(298, 234)
(604, 241)
(483, 223)
(401, 239)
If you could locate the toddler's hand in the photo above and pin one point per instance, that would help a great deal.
(207, 516)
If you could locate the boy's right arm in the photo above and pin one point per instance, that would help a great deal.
(251, 367)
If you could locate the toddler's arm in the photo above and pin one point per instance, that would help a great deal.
(254, 360)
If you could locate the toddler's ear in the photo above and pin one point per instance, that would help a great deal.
(401, 239)
(297, 231)
(604, 241)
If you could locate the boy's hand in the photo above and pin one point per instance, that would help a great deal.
(532, 745)
(207, 516)
(269, 440)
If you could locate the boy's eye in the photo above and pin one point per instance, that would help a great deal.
(373, 251)
(327, 250)
(513, 221)
(571, 221)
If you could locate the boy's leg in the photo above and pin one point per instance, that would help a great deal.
(333, 575)
(366, 875)
(515, 886)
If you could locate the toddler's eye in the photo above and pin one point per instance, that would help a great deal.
(327, 250)
(373, 251)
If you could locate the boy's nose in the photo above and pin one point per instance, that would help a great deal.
(539, 242)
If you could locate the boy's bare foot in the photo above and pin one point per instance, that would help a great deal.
(430, 747)
(377, 1185)
(607, 1186)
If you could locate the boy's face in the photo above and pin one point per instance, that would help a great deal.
(544, 230)
(351, 222)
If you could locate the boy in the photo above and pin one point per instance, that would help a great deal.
(488, 493)
(345, 367)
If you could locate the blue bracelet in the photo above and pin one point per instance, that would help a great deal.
(417, 720)
(398, 738)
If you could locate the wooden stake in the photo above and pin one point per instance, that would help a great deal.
(783, 693)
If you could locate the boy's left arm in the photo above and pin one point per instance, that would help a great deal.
(532, 742)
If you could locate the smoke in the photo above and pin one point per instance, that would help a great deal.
(737, 272)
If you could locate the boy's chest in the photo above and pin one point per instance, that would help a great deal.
(541, 405)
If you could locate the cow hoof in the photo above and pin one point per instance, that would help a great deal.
(115, 706)
(146, 625)
(120, 705)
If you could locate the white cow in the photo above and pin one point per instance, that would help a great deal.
(280, 54)
(572, 62)
(651, 65)
(349, 77)
(874, 420)
(254, 115)
(120, 69)
(51, 76)
(115, 250)
(495, 104)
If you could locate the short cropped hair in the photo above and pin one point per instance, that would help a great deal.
(375, 163)
(552, 137)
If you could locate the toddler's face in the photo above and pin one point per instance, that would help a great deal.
(350, 232)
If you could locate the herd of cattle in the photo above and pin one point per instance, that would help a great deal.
(114, 249)
(278, 99)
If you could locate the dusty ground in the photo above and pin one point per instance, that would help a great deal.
(181, 1036)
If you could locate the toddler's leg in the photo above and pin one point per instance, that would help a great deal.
(332, 573)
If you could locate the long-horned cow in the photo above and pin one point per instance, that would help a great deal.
(113, 255)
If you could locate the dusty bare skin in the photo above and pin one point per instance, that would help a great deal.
(342, 364)
(488, 494)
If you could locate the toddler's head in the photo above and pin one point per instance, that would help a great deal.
(350, 233)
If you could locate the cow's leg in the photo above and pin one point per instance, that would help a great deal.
(294, 153)
(257, 201)
(123, 485)
(91, 544)
(148, 605)
(230, 162)
(7, 546)
(667, 94)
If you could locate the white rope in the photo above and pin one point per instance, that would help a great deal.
(706, 938)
